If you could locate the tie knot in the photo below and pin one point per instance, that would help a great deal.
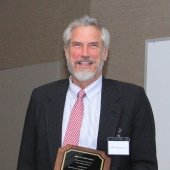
(81, 94)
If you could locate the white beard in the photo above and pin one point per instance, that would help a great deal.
(85, 75)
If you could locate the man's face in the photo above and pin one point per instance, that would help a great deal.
(85, 53)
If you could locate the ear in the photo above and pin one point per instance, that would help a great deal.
(105, 54)
(66, 52)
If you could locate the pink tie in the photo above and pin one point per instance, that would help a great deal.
(73, 128)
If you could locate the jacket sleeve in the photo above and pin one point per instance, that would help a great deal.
(143, 145)
(27, 154)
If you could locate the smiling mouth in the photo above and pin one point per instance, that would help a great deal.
(84, 63)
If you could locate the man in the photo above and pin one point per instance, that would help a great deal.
(111, 109)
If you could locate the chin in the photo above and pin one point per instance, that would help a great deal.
(84, 75)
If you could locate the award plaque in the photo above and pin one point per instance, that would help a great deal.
(72, 157)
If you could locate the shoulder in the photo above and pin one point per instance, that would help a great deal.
(130, 94)
(53, 85)
(51, 89)
(121, 87)
(124, 90)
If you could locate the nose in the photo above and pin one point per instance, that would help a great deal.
(85, 50)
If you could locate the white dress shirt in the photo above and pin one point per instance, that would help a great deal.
(92, 104)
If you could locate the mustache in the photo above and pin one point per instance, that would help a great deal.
(85, 59)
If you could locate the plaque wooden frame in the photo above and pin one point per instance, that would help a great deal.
(60, 159)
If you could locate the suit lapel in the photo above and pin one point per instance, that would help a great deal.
(109, 117)
(110, 113)
(55, 109)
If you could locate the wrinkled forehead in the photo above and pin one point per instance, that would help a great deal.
(86, 33)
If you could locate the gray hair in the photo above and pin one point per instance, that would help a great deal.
(86, 21)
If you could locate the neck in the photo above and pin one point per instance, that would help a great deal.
(84, 84)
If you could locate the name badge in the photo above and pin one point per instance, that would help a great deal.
(118, 145)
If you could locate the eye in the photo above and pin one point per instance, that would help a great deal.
(76, 44)
(94, 45)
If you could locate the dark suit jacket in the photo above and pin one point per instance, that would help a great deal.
(123, 106)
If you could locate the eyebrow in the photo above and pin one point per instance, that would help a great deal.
(78, 42)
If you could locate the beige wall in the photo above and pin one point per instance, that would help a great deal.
(31, 31)
(131, 22)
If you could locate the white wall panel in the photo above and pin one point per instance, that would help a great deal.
(16, 86)
(157, 85)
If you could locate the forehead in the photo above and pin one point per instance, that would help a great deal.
(86, 33)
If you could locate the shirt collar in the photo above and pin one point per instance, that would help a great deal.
(92, 90)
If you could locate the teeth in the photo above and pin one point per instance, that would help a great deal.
(85, 62)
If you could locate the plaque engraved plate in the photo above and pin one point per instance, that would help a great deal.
(79, 158)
